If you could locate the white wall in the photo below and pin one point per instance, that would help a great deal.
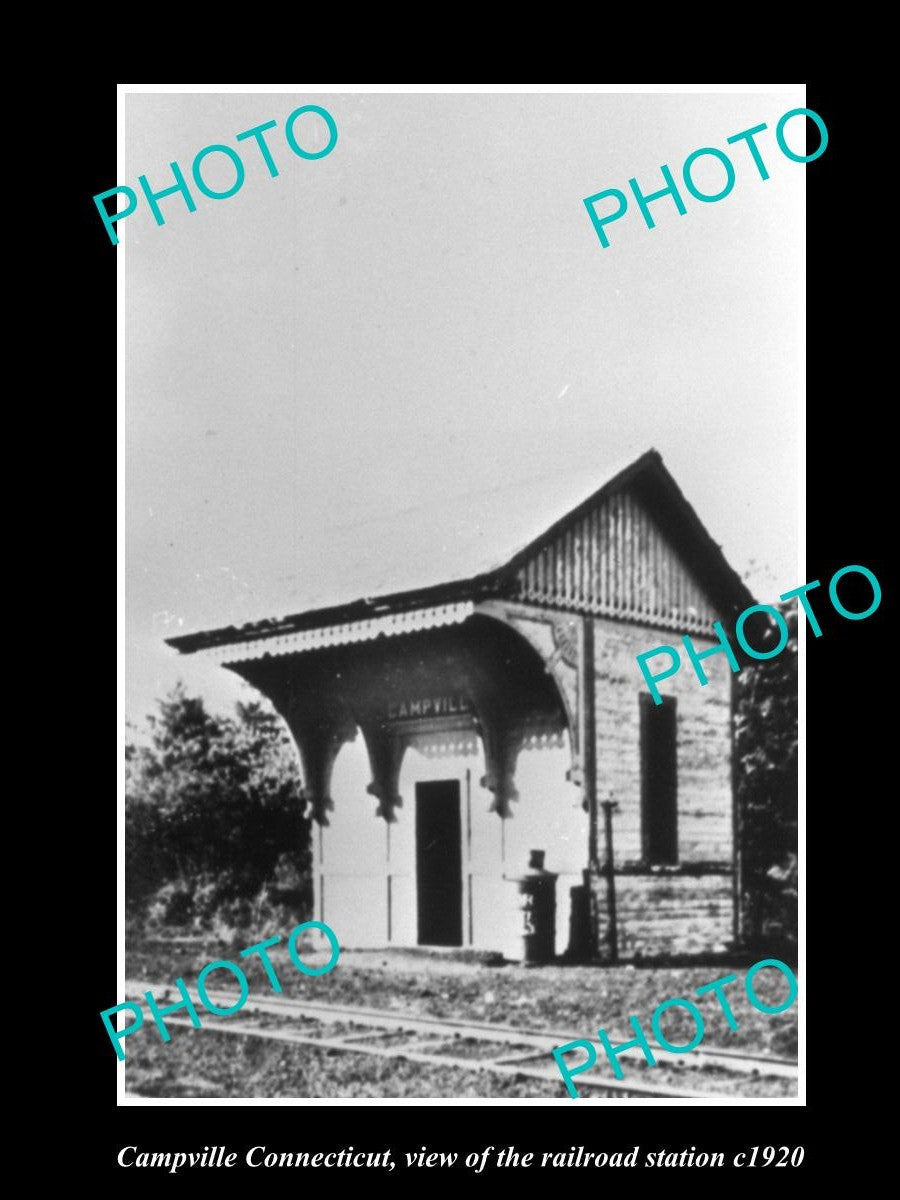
(362, 860)
(354, 855)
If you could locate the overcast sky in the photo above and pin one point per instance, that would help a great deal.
(427, 312)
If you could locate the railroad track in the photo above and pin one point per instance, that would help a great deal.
(507, 1051)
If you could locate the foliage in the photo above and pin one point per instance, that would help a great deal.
(766, 782)
(214, 824)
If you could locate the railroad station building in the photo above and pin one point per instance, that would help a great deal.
(470, 693)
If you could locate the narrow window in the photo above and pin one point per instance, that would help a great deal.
(659, 781)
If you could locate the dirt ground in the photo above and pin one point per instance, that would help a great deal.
(571, 1001)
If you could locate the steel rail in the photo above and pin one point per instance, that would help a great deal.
(534, 1041)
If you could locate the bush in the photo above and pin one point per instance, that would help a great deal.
(766, 784)
(214, 822)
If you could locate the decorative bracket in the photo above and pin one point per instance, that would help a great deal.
(319, 743)
(558, 638)
(386, 751)
(502, 743)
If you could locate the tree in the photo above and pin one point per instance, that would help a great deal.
(213, 815)
(766, 784)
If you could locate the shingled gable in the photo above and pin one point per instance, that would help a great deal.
(643, 494)
(638, 517)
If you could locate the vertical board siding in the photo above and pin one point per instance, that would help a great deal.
(615, 561)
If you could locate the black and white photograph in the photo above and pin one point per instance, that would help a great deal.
(463, 450)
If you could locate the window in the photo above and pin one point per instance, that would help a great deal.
(659, 781)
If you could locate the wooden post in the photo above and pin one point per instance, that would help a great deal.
(612, 933)
(737, 824)
(588, 735)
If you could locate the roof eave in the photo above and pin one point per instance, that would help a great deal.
(473, 588)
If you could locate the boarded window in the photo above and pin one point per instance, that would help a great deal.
(659, 781)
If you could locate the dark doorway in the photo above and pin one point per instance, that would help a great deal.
(659, 781)
(439, 863)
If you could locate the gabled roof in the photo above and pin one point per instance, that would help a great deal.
(469, 547)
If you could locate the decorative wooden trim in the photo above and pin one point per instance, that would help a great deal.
(502, 744)
(557, 638)
(386, 749)
(616, 560)
(367, 630)
(319, 744)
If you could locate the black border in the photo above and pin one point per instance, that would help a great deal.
(843, 681)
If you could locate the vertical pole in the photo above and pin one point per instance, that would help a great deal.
(588, 733)
(470, 922)
(612, 932)
(737, 822)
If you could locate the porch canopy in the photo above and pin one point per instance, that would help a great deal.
(425, 684)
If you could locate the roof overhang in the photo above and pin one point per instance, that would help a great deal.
(343, 633)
